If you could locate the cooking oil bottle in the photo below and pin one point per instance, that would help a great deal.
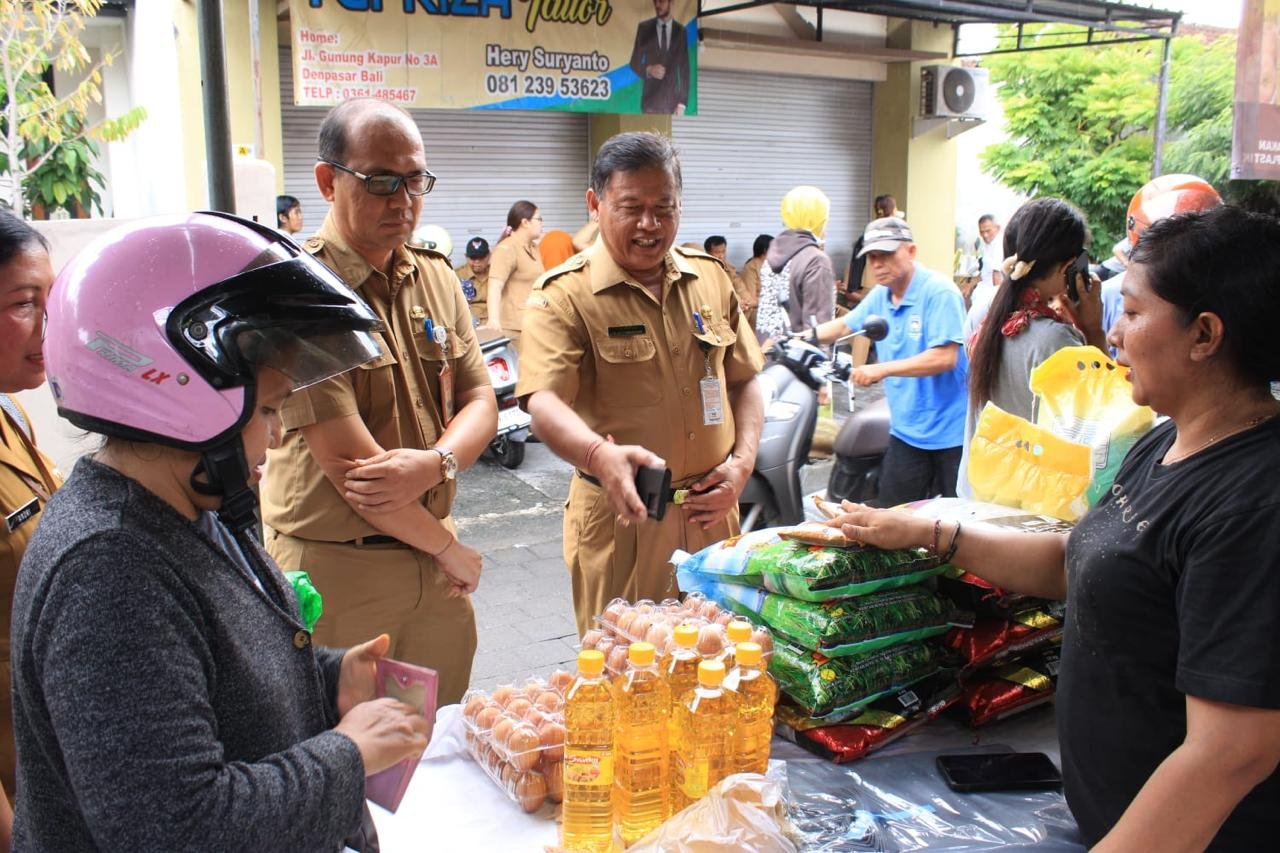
(588, 759)
(642, 702)
(757, 694)
(705, 721)
(737, 631)
(682, 665)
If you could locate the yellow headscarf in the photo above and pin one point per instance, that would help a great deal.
(807, 208)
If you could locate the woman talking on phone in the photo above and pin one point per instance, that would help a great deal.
(167, 695)
(1169, 691)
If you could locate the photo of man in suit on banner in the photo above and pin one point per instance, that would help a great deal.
(661, 59)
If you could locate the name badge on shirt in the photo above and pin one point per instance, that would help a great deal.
(626, 331)
(712, 402)
(27, 511)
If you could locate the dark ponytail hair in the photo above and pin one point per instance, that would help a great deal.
(1047, 231)
(17, 236)
(520, 211)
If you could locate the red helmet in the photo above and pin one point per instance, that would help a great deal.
(1165, 196)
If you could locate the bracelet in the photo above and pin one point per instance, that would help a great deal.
(453, 540)
(591, 451)
(951, 549)
(937, 537)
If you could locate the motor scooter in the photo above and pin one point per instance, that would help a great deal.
(507, 445)
(790, 382)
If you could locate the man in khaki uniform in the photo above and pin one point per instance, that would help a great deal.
(635, 354)
(359, 493)
(474, 275)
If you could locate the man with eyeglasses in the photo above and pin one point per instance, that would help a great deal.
(360, 491)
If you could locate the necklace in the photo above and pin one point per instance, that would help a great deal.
(1249, 424)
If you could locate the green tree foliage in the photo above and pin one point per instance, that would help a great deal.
(46, 146)
(1081, 122)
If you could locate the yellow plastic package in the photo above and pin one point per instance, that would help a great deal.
(1015, 463)
(1083, 397)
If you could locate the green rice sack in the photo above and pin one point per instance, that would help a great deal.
(858, 625)
(812, 573)
(831, 687)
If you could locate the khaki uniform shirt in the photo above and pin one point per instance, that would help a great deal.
(476, 289)
(751, 279)
(396, 395)
(629, 365)
(518, 268)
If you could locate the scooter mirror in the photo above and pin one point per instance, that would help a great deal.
(876, 328)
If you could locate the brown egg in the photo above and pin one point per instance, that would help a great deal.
(503, 695)
(474, 706)
(614, 611)
(554, 774)
(645, 606)
(725, 617)
(640, 627)
(516, 707)
(710, 640)
(626, 620)
(502, 730)
(605, 646)
(531, 690)
(531, 790)
(549, 701)
(561, 679)
(764, 638)
(487, 717)
(494, 762)
(535, 717)
(509, 774)
(590, 638)
(659, 634)
(617, 661)
(709, 610)
(523, 744)
(551, 736)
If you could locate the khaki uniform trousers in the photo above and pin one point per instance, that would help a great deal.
(374, 589)
(608, 560)
(514, 335)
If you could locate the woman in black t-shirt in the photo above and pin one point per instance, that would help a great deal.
(1169, 692)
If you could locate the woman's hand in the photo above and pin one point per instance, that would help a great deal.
(462, 564)
(356, 674)
(392, 480)
(386, 731)
(883, 528)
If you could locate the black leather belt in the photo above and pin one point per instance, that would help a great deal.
(376, 539)
(674, 496)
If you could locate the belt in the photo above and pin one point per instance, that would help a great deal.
(674, 496)
(376, 539)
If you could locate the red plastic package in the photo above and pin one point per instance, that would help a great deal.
(992, 640)
(1010, 688)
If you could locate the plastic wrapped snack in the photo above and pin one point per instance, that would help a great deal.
(516, 734)
(1013, 462)
(835, 688)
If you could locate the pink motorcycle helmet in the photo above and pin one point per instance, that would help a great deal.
(157, 329)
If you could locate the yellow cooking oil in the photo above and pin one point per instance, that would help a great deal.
(705, 721)
(757, 694)
(737, 631)
(642, 705)
(589, 711)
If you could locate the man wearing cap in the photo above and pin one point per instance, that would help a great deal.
(636, 354)
(474, 275)
(922, 364)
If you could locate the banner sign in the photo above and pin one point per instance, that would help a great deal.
(600, 56)
(1255, 138)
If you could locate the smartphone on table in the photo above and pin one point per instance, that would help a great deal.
(999, 771)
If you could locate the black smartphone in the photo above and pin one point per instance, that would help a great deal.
(999, 771)
(1079, 267)
(654, 485)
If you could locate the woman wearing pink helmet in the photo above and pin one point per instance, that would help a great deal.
(167, 694)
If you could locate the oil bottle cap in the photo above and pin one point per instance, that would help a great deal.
(739, 631)
(590, 662)
(710, 673)
(686, 635)
(748, 654)
(640, 654)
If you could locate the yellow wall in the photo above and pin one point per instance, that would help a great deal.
(603, 125)
(919, 172)
(241, 100)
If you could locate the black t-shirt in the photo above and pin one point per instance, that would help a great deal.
(1173, 590)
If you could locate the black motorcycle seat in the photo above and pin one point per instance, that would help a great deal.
(865, 432)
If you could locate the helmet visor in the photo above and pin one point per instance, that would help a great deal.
(305, 359)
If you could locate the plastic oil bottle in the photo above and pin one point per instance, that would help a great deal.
(705, 722)
(737, 631)
(641, 780)
(588, 759)
(757, 694)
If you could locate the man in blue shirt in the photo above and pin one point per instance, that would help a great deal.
(921, 362)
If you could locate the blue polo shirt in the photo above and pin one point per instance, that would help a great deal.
(926, 411)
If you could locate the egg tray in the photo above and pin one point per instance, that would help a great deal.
(535, 708)
(529, 789)
(616, 631)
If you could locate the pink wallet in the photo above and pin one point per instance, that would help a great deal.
(416, 687)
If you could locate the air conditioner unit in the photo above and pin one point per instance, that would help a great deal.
(952, 92)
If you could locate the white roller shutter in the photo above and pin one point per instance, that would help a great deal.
(485, 159)
(755, 137)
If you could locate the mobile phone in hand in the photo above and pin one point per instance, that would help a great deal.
(1079, 267)
(999, 771)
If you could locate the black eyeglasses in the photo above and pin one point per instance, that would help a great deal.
(420, 183)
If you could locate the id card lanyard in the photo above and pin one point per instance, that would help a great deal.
(709, 385)
(440, 335)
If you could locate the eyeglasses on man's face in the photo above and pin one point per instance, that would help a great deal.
(417, 184)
